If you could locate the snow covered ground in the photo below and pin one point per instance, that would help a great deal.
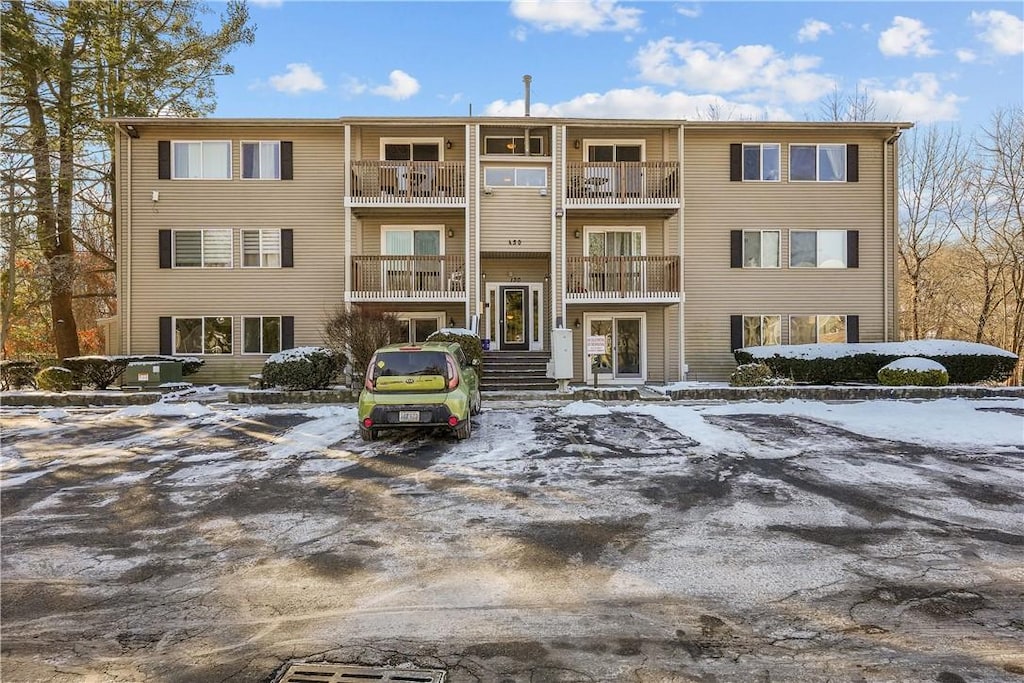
(582, 541)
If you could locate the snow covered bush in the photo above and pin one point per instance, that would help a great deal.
(919, 372)
(467, 339)
(190, 365)
(15, 374)
(966, 362)
(755, 375)
(97, 371)
(302, 368)
(55, 378)
(354, 335)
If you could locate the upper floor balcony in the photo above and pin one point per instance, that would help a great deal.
(618, 184)
(407, 183)
(622, 278)
(408, 278)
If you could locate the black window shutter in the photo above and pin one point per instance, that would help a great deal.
(286, 160)
(735, 161)
(853, 248)
(165, 248)
(736, 331)
(287, 249)
(163, 154)
(166, 341)
(853, 329)
(852, 163)
(735, 248)
(287, 332)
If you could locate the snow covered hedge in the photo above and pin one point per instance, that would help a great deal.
(966, 362)
(302, 368)
(15, 374)
(467, 339)
(56, 378)
(919, 372)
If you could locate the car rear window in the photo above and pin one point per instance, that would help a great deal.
(408, 363)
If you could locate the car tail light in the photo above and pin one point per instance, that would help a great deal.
(367, 422)
(453, 374)
(452, 421)
(368, 378)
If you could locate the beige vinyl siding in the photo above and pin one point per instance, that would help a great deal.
(311, 205)
(519, 214)
(366, 231)
(366, 140)
(659, 144)
(654, 232)
(715, 206)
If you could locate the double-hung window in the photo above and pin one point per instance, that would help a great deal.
(761, 248)
(817, 248)
(206, 159)
(261, 334)
(762, 330)
(820, 163)
(761, 161)
(202, 335)
(515, 177)
(261, 160)
(261, 248)
(202, 248)
(817, 329)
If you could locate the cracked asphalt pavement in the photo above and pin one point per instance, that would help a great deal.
(220, 545)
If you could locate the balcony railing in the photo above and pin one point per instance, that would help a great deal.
(634, 278)
(408, 182)
(437, 278)
(626, 183)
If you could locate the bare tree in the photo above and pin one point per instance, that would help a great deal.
(842, 106)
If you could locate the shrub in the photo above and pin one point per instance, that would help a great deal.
(55, 378)
(15, 374)
(913, 372)
(354, 335)
(98, 371)
(190, 365)
(302, 368)
(751, 375)
(471, 345)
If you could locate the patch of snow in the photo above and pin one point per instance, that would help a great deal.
(458, 331)
(299, 352)
(55, 415)
(914, 364)
(160, 409)
(917, 347)
(689, 422)
(329, 425)
(578, 408)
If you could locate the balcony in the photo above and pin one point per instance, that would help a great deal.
(407, 183)
(596, 184)
(634, 279)
(408, 278)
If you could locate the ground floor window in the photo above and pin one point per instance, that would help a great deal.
(762, 330)
(419, 326)
(202, 335)
(817, 329)
(261, 334)
(625, 346)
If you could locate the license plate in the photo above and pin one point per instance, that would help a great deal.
(408, 416)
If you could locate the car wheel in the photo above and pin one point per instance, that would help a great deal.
(479, 405)
(367, 433)
(464, 430)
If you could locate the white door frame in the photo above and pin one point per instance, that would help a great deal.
(535, 311)
(588, 376)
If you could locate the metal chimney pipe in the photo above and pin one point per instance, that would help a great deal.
(526, 86)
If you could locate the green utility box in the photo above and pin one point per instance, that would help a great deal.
(147, 375)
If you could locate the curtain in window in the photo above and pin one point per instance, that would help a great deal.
(802, 329)
(216, 161)
(752, 249)
(270, 160)
(771, 330)
(188, 160)
(751, 330)
(770, 249)
(271, 248)
(188, 248)
(216, 248)
(832, 160)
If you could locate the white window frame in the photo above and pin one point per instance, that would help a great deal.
(817, 327)
(817, 164)
(778, 255)
(412, 141)
(598, 142)
(588, 374)
(202, 248)
(259, 158)
(515, 177)
(514, 138)
(262, 252)
(588, 230)
(407, 317)
(817, 257)
(761, 321)
(202, 174)
(261, 352)
(761, 146)
(202, 319)
(384, 229)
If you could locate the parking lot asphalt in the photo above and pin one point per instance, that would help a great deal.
(219, 543)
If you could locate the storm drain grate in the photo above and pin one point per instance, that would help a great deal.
(343, 673)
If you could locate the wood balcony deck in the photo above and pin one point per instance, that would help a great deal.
(622, 278)
(600, 184)
(407, 183)
(408, 278)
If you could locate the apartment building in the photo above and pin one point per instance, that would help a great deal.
(675, 241)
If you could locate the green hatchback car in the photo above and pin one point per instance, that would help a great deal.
(419, 385)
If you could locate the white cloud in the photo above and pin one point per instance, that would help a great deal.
(299, 78)
(578, 16)
(918, 98)
(906, 37)
(1002, 31)
(812, 30)
(519, 33)
(401, 86)
(692, 11)
(966, 56)
(758, 71)
(644, 103)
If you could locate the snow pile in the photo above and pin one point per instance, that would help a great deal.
(580, 408)
(919, 347)
(298, 353)
(914, 364)
(190, 409)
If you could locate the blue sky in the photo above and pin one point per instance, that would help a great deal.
(926, 62)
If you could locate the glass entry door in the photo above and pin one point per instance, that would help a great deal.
(624, 344)
(515, 313)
